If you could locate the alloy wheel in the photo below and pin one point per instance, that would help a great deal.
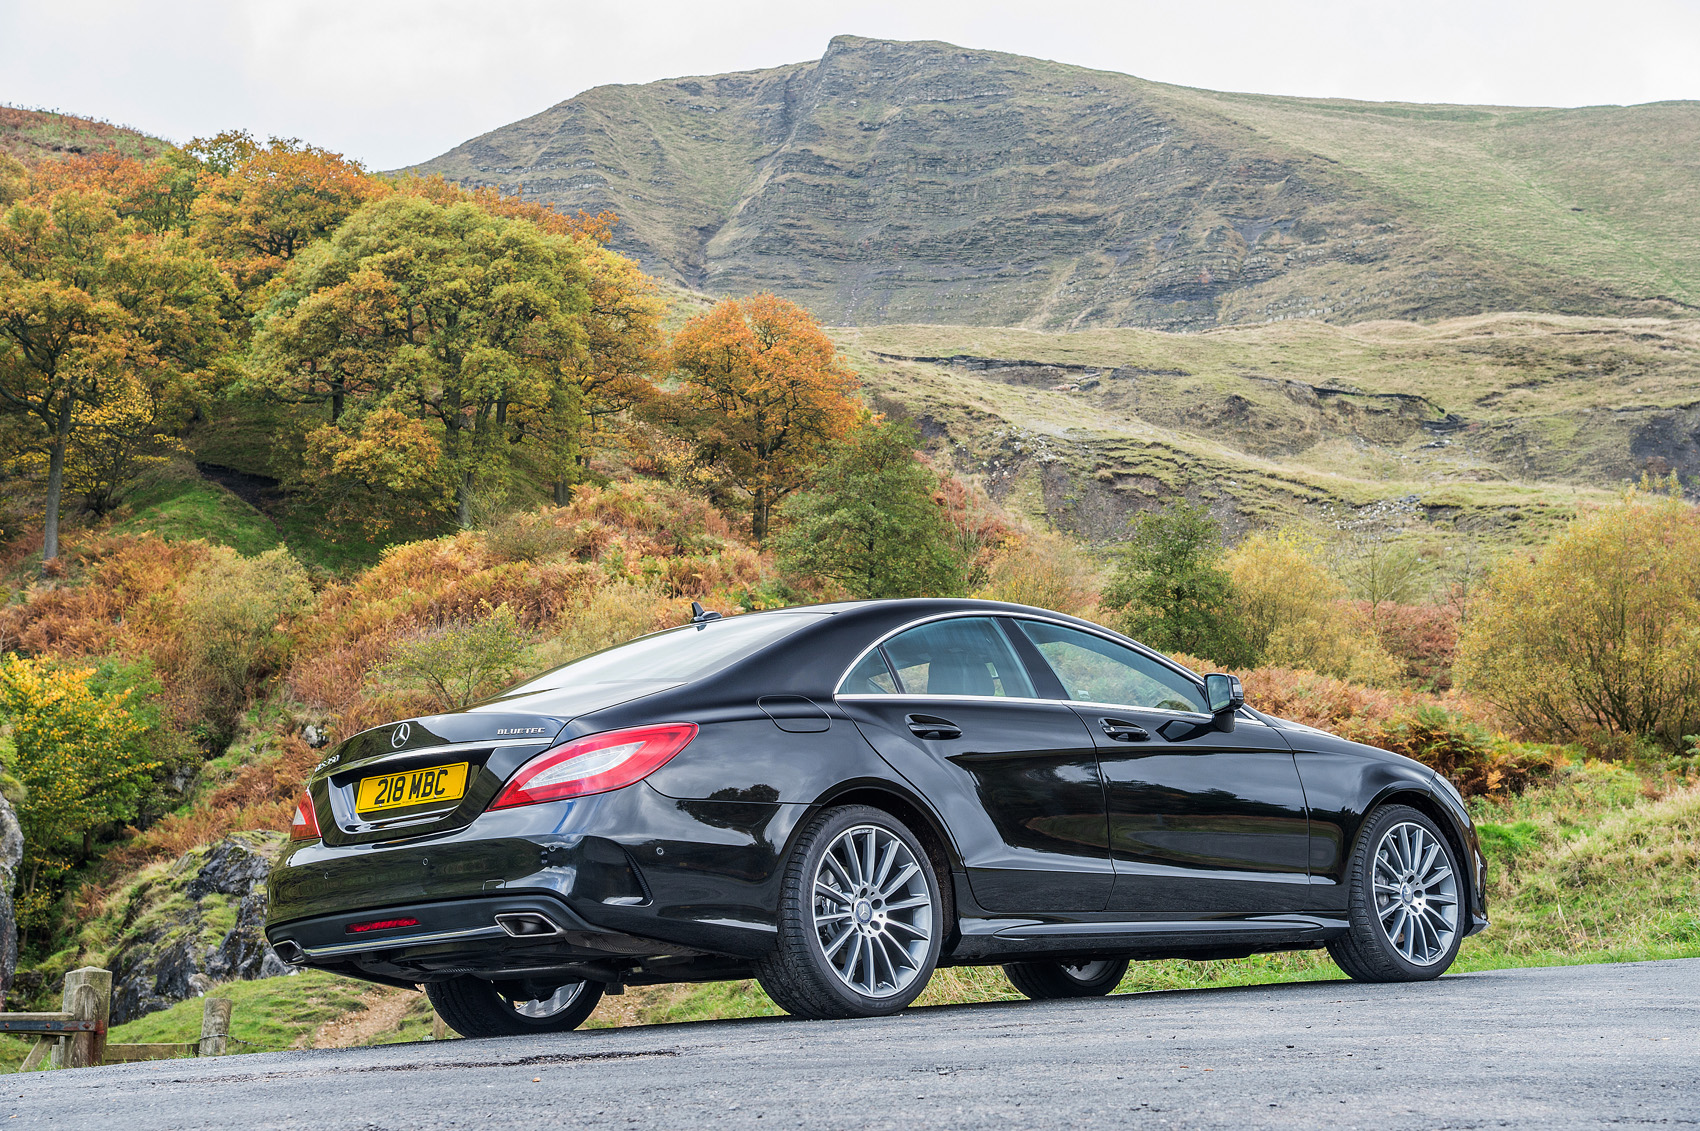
(873, 914)
(557, 1002)
(1416, 893)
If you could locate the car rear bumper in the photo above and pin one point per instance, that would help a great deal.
(618, 876)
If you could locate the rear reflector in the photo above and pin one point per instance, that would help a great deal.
(381, 925)
(596, 763)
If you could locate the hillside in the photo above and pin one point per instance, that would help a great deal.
(894, 182)
(1488, 429)
(31, 135)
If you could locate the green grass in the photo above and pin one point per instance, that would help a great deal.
(271, 1013)
(177, 504)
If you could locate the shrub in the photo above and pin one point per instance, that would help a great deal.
(1171, 590)
(608, 616)
(463, 660)
(1476, 761)
(868, 521)
(532, 536)
(1293, 611)
(84, 762)
(1600, 630)
(231, 634)
(1046, 571)
(1422, 639)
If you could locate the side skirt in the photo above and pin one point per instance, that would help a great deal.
(1006, 939)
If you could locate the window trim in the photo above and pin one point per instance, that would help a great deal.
(962, 614)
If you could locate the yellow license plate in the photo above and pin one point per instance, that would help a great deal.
(413, 787)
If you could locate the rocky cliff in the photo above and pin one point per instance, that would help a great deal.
(922, 182)
(11, 854)
(195, 923)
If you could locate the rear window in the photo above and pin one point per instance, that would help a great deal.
(677, 655)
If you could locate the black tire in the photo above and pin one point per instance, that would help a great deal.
(799, 975)
(474, 1007)
(1371, 951)
(1048, 981)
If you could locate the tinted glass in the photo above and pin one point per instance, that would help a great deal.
(966, 656)
(1096, 670)
(677, 655)
(870, 677)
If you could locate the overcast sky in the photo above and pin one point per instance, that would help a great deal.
(392, 82)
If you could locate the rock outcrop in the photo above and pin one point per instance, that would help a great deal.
(196, 924)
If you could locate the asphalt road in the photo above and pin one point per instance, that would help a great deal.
(1581, 1046)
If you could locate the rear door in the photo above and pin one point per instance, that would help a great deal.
(1201, 822)
(950, 706)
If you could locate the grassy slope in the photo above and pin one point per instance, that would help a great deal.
(32, 135)
(1598, 193)
(1551, 410)
(177, 504)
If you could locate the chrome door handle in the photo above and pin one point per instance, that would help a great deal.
(1122, 731)
(933, 727)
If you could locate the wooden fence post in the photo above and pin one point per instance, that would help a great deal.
(87, 997)
(439, 1030)
(215, 1027)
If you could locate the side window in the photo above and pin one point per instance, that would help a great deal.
(1096, 670)
(964, 656)
(870, 677)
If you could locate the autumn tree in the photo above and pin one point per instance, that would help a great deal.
(157, 195)
(869, 520)
(260, 205)
(443, 314)
(625, 349)
(83, 757)
(764, 394)
(1293, 611)
(1600, 630)
(90, 304)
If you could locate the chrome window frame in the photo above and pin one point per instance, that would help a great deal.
(1244, 714)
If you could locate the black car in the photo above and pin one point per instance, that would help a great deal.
(837, 800)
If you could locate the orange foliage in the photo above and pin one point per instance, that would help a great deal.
(271, 205)
(765, 391)
(643, 534)
(122, 604)
(158, 194)
(1422, 638)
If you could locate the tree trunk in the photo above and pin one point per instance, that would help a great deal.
(56, 482)
(563, 492)
(463, 500)
(758, 517)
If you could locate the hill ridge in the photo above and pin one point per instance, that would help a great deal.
(892, 181)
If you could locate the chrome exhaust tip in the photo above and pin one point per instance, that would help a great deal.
(289, 951)
(527, 925)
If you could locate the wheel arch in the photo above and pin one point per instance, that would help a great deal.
(919, 818)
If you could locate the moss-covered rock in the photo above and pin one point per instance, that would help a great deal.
(193, 922)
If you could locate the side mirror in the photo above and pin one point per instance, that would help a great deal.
(1224, 695)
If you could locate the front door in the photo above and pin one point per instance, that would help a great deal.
(1201, 821)
(950, 706)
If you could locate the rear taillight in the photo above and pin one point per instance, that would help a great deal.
(595, 764)
(305, 826)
